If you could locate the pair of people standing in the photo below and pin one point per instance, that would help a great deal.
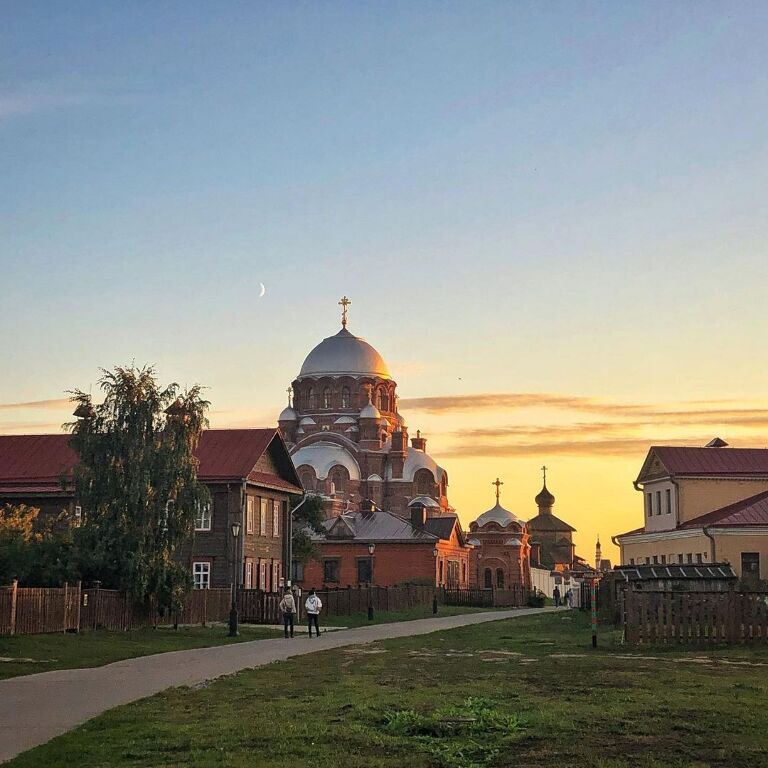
(313, 606)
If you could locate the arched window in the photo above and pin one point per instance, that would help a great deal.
(326, 398)
(307, 477)
(424, 482)
(345, 397)
(339, 477)
(311, 398)
(383, 400)
(488, 578)
(499, 578)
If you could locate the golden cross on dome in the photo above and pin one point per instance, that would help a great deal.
(289, 391)
(498, 483)
(544, 470)
(344, 303)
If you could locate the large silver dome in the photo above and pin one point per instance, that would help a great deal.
(498, 515)
(343, 354)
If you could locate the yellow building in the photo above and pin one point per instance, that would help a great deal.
(702, 505)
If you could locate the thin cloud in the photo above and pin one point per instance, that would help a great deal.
(618, 447)
(47, 405)
(32, 102)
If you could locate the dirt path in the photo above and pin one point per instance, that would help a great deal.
(36, 708)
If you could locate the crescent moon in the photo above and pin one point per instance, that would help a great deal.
(263, 289)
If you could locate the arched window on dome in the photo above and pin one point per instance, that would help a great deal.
(488, 578)
(499, 578)
(345, 397)
(339, 476)
(311, 398)
(326, 398)
(307, 477)
(424, 482)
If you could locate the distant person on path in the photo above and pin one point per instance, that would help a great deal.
(313, 606)
(556, 596)
(288, 606)
(569, 598)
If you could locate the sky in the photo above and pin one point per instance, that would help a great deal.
(550, 218)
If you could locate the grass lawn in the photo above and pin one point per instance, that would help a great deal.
(92, 649)
(409, 614)
(523, 692)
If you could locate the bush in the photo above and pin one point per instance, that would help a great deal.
(536, 600)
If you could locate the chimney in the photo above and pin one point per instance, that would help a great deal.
(418, 515)
(419, 442)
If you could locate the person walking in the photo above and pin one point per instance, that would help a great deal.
(556, 597)
(288, 606)
(313, 606)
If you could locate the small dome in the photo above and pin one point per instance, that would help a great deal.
(344, 353)
(288, 414)
(498, 515)
(370, 411)
(344, 420)
(425, 501)
(308, 421)
(544, 498)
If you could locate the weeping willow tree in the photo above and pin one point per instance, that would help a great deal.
(136, 482)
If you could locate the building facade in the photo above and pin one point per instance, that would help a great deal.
(702, 505)
(346, 436)
(418, 549)
(249, 476)
(501, 553)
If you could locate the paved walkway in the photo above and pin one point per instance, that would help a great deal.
(36, 708)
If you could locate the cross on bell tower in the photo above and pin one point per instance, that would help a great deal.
(344, 303)
(498, 483)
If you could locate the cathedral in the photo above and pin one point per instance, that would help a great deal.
(346, 436)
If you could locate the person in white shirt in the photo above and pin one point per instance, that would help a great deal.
(313, 606)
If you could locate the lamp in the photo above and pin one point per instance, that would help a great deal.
(371, 550)
(235, 528)
(435, 553)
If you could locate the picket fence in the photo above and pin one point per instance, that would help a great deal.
(694, 618)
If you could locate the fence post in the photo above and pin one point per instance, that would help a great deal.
(79, 604)
(205, 607)
(14, 591)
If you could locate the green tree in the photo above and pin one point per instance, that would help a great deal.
(306, 521)
(136, 481)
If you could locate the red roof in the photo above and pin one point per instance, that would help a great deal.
(747, 512)
(713, 461)
(28, 462)
(41, 458)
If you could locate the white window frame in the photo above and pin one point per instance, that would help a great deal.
(263, 517)
(275, 518)
(201, 574)
(203, 516)
(250, 515)
(249, 574)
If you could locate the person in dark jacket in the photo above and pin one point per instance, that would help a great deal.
(288, 606)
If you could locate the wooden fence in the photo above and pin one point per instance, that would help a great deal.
(72, 609)
(28, 611)
(694, 618)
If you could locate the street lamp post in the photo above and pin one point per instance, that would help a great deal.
(435, 553)
(235, 528)
(371, 550)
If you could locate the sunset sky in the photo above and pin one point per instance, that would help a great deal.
(552, 220)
